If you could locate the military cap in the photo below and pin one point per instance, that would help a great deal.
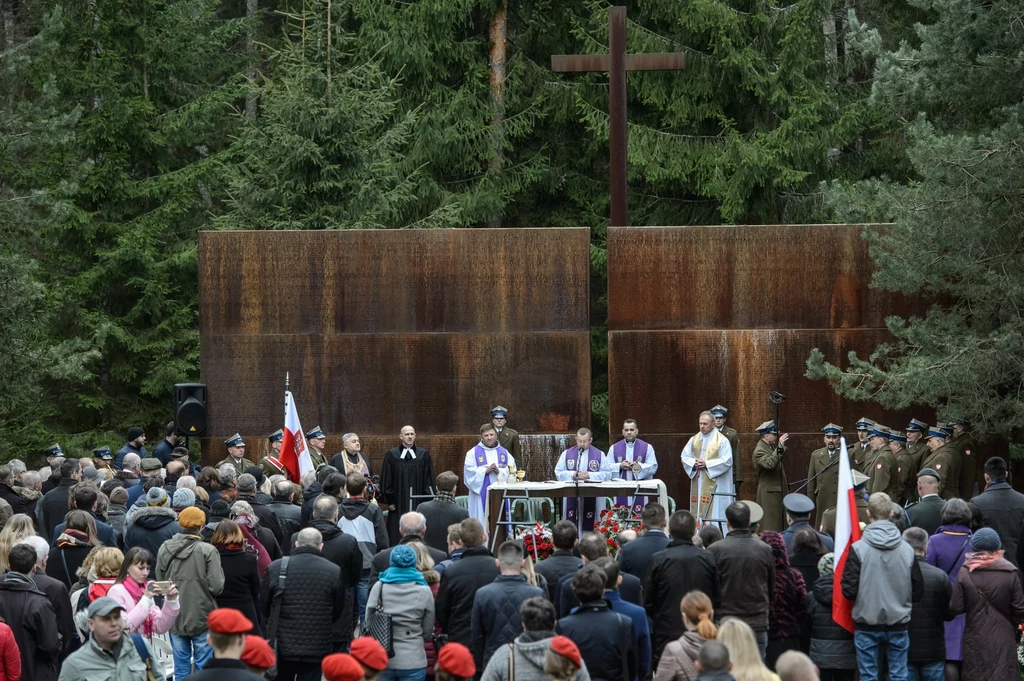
(916, 426)
(102, 607)
(832, 429)
(897, 435)
(234, 441)
(499, 411)
(859, 479)
(756, 512)
(719, 410)
(767, 427)
(936, 431)
(369, 652)
(315, 433)
(798, 503)
(946, 428)
(342, 667)
(257, 653)
(54, 450)
(878, 430)
(276, 436)
(961, 422)
(103, 453)
(864, 423)
(456, 659)
(228, 621)
(150, 464)
(929, 471)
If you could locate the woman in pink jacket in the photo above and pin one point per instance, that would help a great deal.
(133, 591)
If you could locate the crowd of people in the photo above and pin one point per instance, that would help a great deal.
(251, 575)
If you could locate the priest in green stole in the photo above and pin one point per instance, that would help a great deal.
(707, 459)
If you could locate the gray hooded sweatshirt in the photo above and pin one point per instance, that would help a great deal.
(530, 647)
(882, 578)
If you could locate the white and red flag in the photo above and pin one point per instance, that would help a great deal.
(294, 450)
(847, 532)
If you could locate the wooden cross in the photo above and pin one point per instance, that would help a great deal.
(617, 63)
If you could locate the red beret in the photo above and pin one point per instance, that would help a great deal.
(342, 667)
(369, 652)
(456, 659)
(228, 621)
(257, 653)
(567, 649)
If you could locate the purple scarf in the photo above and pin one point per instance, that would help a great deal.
(640, 449)
(572, 457)
(481, 460)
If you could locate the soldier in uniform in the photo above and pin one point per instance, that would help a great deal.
(236, 454)
(102, 456)
(771, 474)
(859, 452)
(828, 518)
(953, 486)
(317, 441)
(823, 471)
(721, 415)
(926, 513)
(507, 437)
(916, 432)
(964, 445)
(274, 440)
(798, 514)
(271, 464)
(906, 483)
(940, 460)
(881, 464)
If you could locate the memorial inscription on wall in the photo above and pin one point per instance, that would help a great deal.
(700, 316)
(382, 328)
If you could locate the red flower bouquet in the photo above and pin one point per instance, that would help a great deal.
(536, 538)
(615, 520)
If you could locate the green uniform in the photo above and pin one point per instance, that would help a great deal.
(823, 489)
(858, 453)
(828, 519)
(919, 450)
(737, 461)
(941, 461)
(907, 476)
(882, 468)
(319, 460)
(240, 466)
(968, 464)
(771, 484)
(509, 439)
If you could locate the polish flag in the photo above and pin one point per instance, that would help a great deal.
(294, 451)
(847, 532)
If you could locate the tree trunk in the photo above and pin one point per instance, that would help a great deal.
(251, 7)
(498, 63)
(7, 40)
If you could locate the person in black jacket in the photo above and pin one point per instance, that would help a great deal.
(247, 492)
(1002, 508)
(927, 653)
(461, 581)
(151, 526)
(592, 547)
(342, 550)
(241, 574)
(310, 603)
(442, 511)
(289, 515)
(562, 562)
(7, 493)
(30, 616)
(54, 505)
(315, 489)
(832, 648)
(636, 555)
(606, 639)
(673, 573)
(496, 620)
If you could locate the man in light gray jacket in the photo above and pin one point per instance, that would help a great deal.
(883, 580)
(530, 647)
(110, 652)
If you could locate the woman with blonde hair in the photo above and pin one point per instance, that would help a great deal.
(19, 527)
(533, 578)
(738, 637)
(425, 564)
(677, 660)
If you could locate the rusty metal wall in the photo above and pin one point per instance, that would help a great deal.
(706, 315)
(383, 328)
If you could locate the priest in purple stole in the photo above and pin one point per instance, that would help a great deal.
(633, 459)
(583, 462)
(486, 464)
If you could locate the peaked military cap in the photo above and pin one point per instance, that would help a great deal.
(916, 426)
(54, 450)
(103, 452)
(864, 423)
(797, 503)
(897, 435)
(315, 433)
(878, 430)
(719, 410)
(767, 427)
(936, 431)
(832, 429)
(499, 411)
(276, 436)
(946, 428)
(756, 512)
(234, 441)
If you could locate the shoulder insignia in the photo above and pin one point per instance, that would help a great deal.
(879, 465)
(938, 466)
(967, 452)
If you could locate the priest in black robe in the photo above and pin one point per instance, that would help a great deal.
(405, 466)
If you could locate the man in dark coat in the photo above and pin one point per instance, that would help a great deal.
(7, 493)
(151, 526)
(289, 515)
(311, 602)
(57, 594)
(342, 550)
(496, 621)
(673, 573)
(927, 652)
(314, 490)
(413, 527)
(461, 581)
(441, 512)
(165, 448)
(54, 505)
(562, 562)
(29, 614)
(85, 498)
(406, 467)
(1002, 507)
(634, 556)
(136, 440)
(927, 513)
(606, 639)
(247, 492)
(592, 547)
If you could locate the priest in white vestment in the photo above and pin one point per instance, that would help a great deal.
(707, 459)
(585, 463)
(486, 464)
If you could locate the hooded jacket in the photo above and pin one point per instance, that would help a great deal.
(531, 647)
(309, 495)
(885, 564)
(194, 567)
(149, 528)
(364, 521)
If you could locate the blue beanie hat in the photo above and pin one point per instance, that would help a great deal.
(986, 539)
(403, 557)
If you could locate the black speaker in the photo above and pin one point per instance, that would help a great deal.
(190, 408)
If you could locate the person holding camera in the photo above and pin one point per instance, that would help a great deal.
(136, 594)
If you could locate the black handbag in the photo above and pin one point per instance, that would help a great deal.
(378, 624)
(275, 618)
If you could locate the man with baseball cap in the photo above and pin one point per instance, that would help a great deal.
(111, 652)
(226, 634)
(136, 440)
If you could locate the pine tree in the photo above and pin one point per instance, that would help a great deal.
(957, 224)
